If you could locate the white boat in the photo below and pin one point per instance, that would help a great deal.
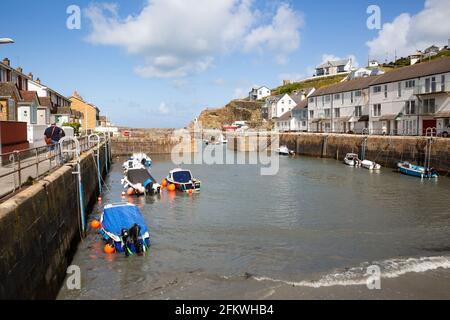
(371, 165)
(183, 180)
(352, 160)
(141, 181)
(137, 161)
(284, 151)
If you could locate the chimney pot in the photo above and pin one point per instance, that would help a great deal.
(30, 75)
(19, 69)
(38, 81)
(6, 61)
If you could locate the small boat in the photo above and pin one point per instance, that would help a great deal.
(417, 171)
(183, 180)
(352, 160)
(123, 226)
(141, 181)
(371, 165)
(284, 151)
(137, 161)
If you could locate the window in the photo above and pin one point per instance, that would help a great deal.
(282, 110)
(358, 93)
(443, 83)
(351, 97)
(429, 106)
(343, 96)
(311, 114)
(410, 84)
(385, 91)
(327, 98)
(311, 100)
(337, 113)
(377, 89)
(358, 111)
(399, 90)
(327, 113)
(377, 110)
(323, 101)
(410, 107)
(337, 96)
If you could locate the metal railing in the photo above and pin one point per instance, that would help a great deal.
(437, 86)
(23, 167)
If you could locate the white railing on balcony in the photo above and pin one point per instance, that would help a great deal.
(432, 87)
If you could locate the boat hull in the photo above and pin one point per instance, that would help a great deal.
(416, 171)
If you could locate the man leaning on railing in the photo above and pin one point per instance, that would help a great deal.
(52, 136)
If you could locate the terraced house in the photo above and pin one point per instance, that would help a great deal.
(407, 101)
(342, 107)
(410, 100)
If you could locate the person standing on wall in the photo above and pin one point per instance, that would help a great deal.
(52, 136)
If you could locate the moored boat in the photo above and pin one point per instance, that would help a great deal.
(417, 171)
(123, 226)
(183, 180)
(371, 165)
(284, 151)
(137, 161)
(141, 181)
(352, 160)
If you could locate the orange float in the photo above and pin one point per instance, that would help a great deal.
(109, 249)
(95, 224)
(171, 187)
(130, 192)
(164, 183)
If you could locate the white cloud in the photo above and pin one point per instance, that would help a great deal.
(163, 108)
(407, 33)
(240, 93)
(178, 38)
(281, 37)
(331, 57)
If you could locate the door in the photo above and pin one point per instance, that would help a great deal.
(41, 117)
(428, 124)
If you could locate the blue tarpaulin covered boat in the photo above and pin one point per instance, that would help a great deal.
(124, 226)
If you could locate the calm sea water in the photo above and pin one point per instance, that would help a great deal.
(317, 223)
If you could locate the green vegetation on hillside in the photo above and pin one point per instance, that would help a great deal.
(403, 62)
(312, 83)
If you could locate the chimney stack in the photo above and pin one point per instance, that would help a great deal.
(38, 81)
(19, 69)
(6, 61)
(30, 75)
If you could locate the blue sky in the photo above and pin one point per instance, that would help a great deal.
(165, 63)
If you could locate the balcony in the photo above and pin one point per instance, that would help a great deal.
(434, 87)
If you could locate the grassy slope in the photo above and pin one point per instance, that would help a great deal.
(313, 83)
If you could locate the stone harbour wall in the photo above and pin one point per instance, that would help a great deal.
(40, 231)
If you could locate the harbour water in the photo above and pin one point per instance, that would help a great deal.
(310, 231)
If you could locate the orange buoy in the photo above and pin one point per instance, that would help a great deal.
(171, 187)
(130, 192)
(191, 191)
(109, 249)
(95, 224)
(163, 183)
